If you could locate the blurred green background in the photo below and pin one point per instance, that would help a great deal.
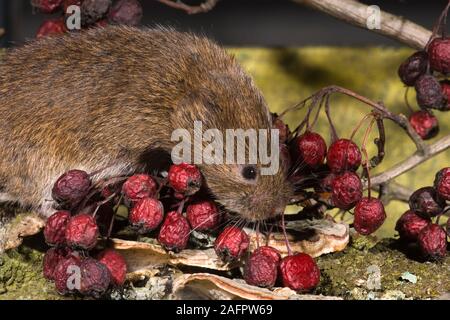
(289, 75)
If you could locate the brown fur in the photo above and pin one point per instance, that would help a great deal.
(109, 96)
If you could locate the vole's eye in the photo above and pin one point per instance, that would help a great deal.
(249, 172)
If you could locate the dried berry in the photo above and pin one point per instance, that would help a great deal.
(55, 228)
(67, 274)
(343, 155)
(433, 241)
(139, 186)
(369, 215)
(429, 93)
(413, 67)
(260, 270)
(231, 244)
(203, 215)
(270, 252)
(445, 86)
(95, 278)
(146, 215)
(82, 232)
(174, 233)
(347, 190)
(51, 27)
(299, 272)
(425, 124)
(71, 188)
(426, 202)
(283, 128)
(51, 259)
(310, 148)
(116, 265)
(326, 183)
(93, 10)
(127, 12)
(442, 183)
(46, 6)
(185, 178)
(439, 55)
(410, 224)
(67, 3)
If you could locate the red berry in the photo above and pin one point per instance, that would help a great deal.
(139, 186)
(369, 215)
(347, 190)
(95, 278)
(146, 215)
(426, 202)
(299, 272)
(279, 124)
(433, 241)
(410, 224)
(116, 265)
(343, 155)
(93, 10)
(67, 3)
(439, 55)
(326, 183)
(270, 252)
(260, 270)
(442, 183)
(51, 27)
(185, 178)
(174, 233)
(46, 6)
(310, 148)
(71, 188)
(425, 124)
(128, 12)
(51, 259)
(231, 244)
(203, 215)
(66, 274)
(429, 93)
(82, 232)
(55, 227)
(445, 86)
(413, 67)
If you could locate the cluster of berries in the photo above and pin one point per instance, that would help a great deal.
(416, 225)
(425, 71)
(93, 13)
(337, 179)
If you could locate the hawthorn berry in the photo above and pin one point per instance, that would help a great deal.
(299, 272)
(260, 270)
(203, 215)
(139, 186)
(310, 148)
(46, 6)
(67, 3)
(185, 178)
(413, 67)
(127, 12)
(426, 202)
(269, 251)
(55, 228)
(343, 155)
(439, 55)
(174, 232)
(433, 241)
(71, 187)
(347, 190)
(146, 215)
(445, 86)
(51, 27)
(410, 224)
(93, 10)
(116, 265)
(283, 129)
(326, 183)
(66, 273)
(424, 123)
(51, 259)
(442, 183)
(82, 232)
(231, 244)
(369, 215)
(95, 278)
(429, 93)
